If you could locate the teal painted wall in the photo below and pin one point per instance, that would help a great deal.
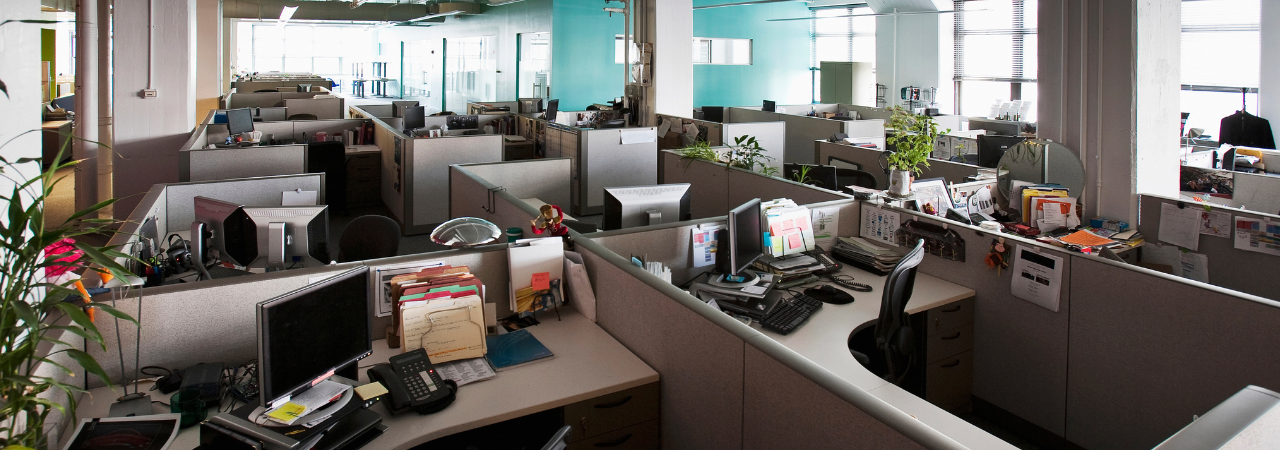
(582, 67)
(780, 69)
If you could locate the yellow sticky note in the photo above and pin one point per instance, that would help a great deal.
(287, 412)
(371, 390)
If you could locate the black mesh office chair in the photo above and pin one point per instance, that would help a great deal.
(303, 117)
(853, 177)
(330, 158)
(894, 337)
(369, 237)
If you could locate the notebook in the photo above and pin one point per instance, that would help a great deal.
(514, 349)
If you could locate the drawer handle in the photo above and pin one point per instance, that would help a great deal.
(953, 364)
(954, 336)
(616, 443)
(614, 404)
(957, 308)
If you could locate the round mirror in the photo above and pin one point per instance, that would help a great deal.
(465, 232)
(1037, 162)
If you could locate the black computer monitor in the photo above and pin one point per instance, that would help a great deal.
(818, 175)
(239, 121)
(744, 241)
(992, 148)
(306, 335)
(415, 117)
(288, 235)
(713, 113)
(304, 88)
(229, 231)
(398, 106)
(638, 206)
(552, 106)
(769, 106)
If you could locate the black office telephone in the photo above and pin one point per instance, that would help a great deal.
(414, 383)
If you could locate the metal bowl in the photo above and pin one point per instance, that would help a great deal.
(466, 232)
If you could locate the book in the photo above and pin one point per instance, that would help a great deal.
(514, 349)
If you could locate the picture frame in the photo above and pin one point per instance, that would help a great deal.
(924, 190)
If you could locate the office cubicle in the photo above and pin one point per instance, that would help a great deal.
(492, 107)
(771, 136)
(496, 191)
(716, 188)
(304, 102)
(197, 162)
(871, 161)
(317, 84)
(802, 131)
(945, 121)
(603, 158)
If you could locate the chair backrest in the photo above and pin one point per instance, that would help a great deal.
(893, 332)
(369, 237)
(303, 117)
(854, 177)
(560, 440)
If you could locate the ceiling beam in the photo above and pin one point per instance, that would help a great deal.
(337, 11)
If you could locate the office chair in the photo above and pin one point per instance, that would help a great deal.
(369, 237)
(560, 440)
(893, 334)
(330, 158)
(303, 117)
(853, 177)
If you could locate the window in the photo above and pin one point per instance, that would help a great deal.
(325, 50)
(735, 52)
(1221, 60)
(838, 35)
(995, 54)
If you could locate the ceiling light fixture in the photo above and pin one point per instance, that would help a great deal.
(916, 13)
(285, 14)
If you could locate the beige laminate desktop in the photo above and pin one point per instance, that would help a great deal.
(588, 363)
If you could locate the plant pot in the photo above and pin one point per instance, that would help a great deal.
(900, 182)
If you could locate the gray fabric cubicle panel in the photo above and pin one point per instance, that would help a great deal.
(815, 417)
(245, 162)
(545, 179)
(744, 186)
(744, 115)
(772, 137)
(870, 161)
(393, 168)
(379, 111)
(802, 131)
(1257, 192)
(255, 100)
(429, 182)
(667, 243)
(868, 112)
(468, 195)
(709, 190)
(332, 127)
(264, 191)
(323, 108)
(1231, 268)
(700, 363)
(1019, 348)
(1148, 351)
(606, 163)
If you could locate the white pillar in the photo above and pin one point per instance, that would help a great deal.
(20, 72)
(148, 131)
(106, 154)
(671, 25)
(86, 129)
(1155, 161)
(1269, 81)
(209, 57)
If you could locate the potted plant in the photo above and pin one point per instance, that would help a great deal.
(745, 153)
(913, 137)
(33, 313)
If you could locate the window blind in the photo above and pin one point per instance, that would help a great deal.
(995, 40)
(1221, 44)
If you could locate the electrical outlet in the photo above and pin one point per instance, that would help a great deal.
(149, 93)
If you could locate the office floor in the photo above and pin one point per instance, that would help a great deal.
(61, 204)
(1000, 432)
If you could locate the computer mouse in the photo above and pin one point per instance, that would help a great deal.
(829, 294)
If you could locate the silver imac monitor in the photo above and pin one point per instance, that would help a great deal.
(228, 232)
(637, 206)
(289, 235)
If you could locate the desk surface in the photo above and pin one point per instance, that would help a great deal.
(824, 340)
(588, 363)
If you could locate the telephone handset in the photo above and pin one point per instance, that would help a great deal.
(414, 383)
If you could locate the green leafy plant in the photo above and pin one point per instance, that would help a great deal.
(802, 176)
(746, 153)
(913, 137)
(29, 320)
(699, 150)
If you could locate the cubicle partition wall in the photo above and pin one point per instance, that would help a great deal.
(473, 196)
(802, 131)
(1256, 192)
(317, 84)
(426, 177)
(870, 161)
(371, 111)
(239, 99)
(716, 188)
(945, 121)
(1229, 267)
(322, 108)
(544, 179)
(772, 136)
(197, 163)
(603, 158)
(487, 107)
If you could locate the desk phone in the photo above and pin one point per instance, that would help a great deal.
(414, 383)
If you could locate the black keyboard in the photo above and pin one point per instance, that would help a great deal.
(791, 313)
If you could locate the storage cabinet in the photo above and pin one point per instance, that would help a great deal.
(949, 355)
(364, 179)
(609, 419)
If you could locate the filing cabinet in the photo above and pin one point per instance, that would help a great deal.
(364, 179)
(608, 420)
(948, 355)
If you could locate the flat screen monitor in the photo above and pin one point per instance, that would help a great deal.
(288, 235)
(304, 88)
(231, 233)
(306, 335)
(817, 175)
(415, 117)
(713, 113)
(637, 206)
(552, 107)
(769, 106)
(239, 121)
(398, 106)
(992, 148)
(746, 240)
(530, 105)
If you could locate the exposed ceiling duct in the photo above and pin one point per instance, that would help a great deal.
(335, 11)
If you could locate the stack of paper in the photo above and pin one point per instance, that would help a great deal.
(864, 254)
(448, 328)
(790, 228)
(537, 271)
(307, 402)
(428, 285)
(1026, 193)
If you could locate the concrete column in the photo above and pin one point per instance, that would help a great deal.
(20, 49)
(209, 56)
(229, 46)
(672, 22)
(1155, 161)
(106, 154)
(1269, 81)
(148, 131)
(85, 147)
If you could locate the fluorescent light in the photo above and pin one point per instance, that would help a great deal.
(285, 14)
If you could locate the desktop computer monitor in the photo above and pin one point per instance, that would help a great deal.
(740, 244)
(818, 175)
(552, 107)
(239, 121)
(306, 335)
(228, 230)
(992, 148)
(713, 113)
(530, 105)
(415, 117)
(289, 234)
(769, 106)
(304, 88)
(398, 106)
(637, 206)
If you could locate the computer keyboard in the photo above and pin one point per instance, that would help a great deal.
(791, 313)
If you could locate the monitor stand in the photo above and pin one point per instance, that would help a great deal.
(739, 281)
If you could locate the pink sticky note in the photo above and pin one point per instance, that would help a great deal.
(541, 281)
(804, 224)
(793, 241)
(788, 224)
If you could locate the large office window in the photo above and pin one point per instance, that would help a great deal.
(836, 36)
(325, 50)
(995, 54)
(1221, 55)
(718, 51)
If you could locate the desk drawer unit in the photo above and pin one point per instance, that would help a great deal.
(364, 179)
(636, 437)
(949, 355)
(945, 344)
(950, 316)
(949, 383)
(613, 412)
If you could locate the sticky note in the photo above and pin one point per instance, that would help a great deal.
(788, 224)
(371, 390)
(542, 281)
(803, 224)
(793, 241)
(288, 412)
